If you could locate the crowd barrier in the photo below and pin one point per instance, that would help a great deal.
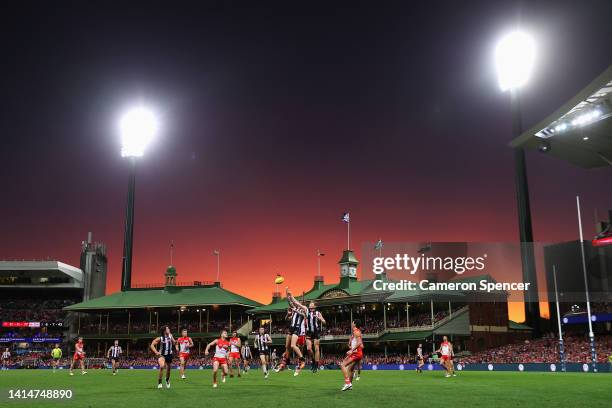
(518, 367)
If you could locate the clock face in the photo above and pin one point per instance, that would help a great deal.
(353, 272)
(344, 270)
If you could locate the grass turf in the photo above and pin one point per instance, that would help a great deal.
(137, 388)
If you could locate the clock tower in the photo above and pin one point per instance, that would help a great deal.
(348, 266)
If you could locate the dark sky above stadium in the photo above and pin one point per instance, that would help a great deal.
(276, 118)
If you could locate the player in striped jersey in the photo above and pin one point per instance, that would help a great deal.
(79, 355)
(353, 356)
(6, 355)
(313, 322)
(298, 325)
(245, 352)
(113, 353)
(420, 359)
(284, 360)
(166, 344)
(183, 346)
(222, 347)
(262, 344)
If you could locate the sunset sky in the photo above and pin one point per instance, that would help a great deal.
(276, 120)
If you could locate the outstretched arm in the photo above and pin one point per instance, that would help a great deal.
(294, 302)
(212, 343)
(320, 317)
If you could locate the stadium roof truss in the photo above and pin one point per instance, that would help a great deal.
(580, 131)
(42, 269)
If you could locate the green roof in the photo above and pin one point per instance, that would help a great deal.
(473, 279)
(512, 325)
(404, 336)
(350, 286)
(419, 295)
(348, 256)
(166, 297)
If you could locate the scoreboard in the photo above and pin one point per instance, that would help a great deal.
(32, 324)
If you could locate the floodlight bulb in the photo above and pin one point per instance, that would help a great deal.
(138, 126)
(514, 60)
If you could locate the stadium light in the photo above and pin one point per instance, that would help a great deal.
(514, 59)
(138, 126)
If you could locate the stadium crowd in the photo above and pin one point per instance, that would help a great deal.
(33, 310)
(546, 350)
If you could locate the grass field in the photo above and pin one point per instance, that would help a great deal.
(137, 388)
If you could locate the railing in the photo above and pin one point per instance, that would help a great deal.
(375, 335)
(436, 324)
(162, 285)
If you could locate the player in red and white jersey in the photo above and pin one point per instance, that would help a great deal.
(183, 346)
(79, 355)
(222, 347)
(353, 356)
(446, 352)
(234, 355)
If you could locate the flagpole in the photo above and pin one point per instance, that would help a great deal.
(318, 262)
(218, 254)
(348, 229)
(561, 349)
(171, 251)
(586, 288)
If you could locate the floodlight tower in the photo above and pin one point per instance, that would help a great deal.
(138, 126)
(514, 60)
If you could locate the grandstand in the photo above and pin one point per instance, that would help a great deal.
(399, 320)
(33, 295)
(135, 315)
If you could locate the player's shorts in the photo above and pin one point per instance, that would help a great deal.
(313, 335)
(167, 358)
(356, 356)
(265, 353)
(235, 355)
(295, 330)
(445, 358)
(184, 355)
(56, 358)
(78, 356)
(220, 360)
(301, 340)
